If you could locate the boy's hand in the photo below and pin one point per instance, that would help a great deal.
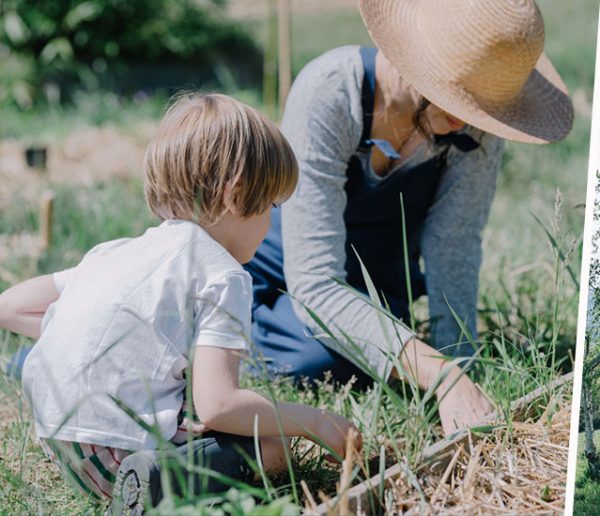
(463, 404)
(23, 306)
(194, 427)
(333, 431)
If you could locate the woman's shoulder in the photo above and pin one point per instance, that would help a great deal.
(340, 68)
(337, 58)
(326, 98)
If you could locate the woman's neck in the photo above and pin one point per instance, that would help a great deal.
(394, 106)
(394, 99)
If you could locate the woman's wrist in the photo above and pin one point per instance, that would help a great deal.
(453, 380)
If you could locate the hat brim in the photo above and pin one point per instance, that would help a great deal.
(541, 113)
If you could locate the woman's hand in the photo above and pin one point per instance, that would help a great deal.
(461, 403)
(333, 431)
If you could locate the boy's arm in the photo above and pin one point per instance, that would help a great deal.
(223, 406)
(23, 306)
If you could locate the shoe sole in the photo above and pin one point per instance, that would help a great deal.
(133, 487)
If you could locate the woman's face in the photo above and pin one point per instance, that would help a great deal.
(442, 122)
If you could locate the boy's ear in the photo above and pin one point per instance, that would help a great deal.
(229, 197)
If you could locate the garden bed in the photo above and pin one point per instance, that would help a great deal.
(507, 466)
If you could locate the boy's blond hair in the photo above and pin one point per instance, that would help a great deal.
(206, 141)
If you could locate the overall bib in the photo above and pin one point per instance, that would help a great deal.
(374, 227)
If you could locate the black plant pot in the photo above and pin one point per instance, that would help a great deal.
(36, 157)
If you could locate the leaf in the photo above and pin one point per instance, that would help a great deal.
(546, 495)
(81, 13)
(557, 248)
(58, 47)
(15, 28)
(484, 429)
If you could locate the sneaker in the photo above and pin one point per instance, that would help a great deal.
(137, 484)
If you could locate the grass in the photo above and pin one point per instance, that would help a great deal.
(394, 417)
(528, 302)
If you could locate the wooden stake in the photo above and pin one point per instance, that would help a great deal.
(346, 476)
(285, 58)
(46, 216)
(270, 62)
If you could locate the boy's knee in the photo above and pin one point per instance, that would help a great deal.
(273, 452)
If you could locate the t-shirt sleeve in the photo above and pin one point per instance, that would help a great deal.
(222, 312)
(61, 278)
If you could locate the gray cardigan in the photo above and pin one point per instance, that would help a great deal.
(323, 122)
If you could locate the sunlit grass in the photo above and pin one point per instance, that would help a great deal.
(527, 302)
(397, 417)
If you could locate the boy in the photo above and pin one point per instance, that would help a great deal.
(118, 331)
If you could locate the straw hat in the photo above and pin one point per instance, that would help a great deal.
(480, 60)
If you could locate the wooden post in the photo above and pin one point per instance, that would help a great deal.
(270, 62)
(285, 58)
(46, 216)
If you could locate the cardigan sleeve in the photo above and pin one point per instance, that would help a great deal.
(323, 122)
(451, 241)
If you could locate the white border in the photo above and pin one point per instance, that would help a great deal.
(593, 165)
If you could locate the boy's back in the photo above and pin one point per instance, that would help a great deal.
(123, 327)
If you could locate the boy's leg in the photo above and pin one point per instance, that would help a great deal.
(89, 469)
(215, 460)
(272, 453)
(14, 368)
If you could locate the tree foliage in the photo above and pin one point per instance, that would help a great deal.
(79, 40)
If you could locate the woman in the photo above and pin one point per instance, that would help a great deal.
(398, 151)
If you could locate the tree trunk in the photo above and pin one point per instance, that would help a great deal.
(590, 448)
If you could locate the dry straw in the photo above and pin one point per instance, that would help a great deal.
(510, 466)
(510, 471)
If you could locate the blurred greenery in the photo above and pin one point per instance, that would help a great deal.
(50, 48)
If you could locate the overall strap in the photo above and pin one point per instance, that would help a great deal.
(368, 93)
(368, 104)
(463, 142)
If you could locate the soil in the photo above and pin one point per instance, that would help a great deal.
(87, 155)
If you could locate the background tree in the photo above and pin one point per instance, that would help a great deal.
(50, 47)
(591, 367)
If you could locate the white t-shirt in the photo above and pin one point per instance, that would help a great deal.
(123, 328)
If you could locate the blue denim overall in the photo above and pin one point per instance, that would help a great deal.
(374, 227)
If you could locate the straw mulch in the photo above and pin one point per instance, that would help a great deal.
(515, 469)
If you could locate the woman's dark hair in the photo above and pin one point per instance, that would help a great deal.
(419, 120)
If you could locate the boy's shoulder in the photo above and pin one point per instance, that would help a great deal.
(176, 250)
(190, 242)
